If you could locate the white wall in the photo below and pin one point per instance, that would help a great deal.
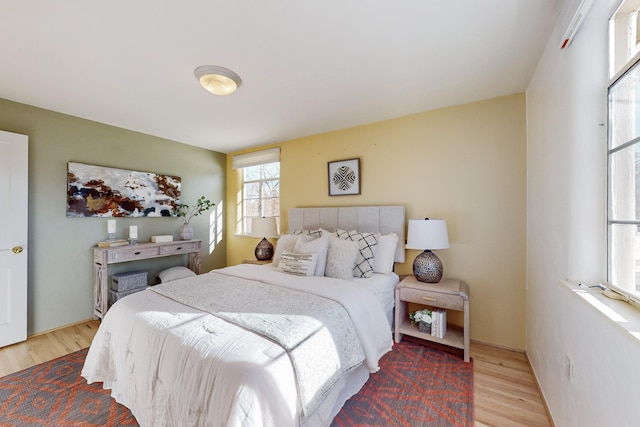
(566, 235)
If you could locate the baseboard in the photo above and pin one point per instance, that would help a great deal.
(502, 347)
(542, 396)
(59, 328)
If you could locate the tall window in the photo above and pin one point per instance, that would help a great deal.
(624, 151)
(259, 195)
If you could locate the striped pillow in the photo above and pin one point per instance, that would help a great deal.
(298, 264)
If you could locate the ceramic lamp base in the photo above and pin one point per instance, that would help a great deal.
(427, 267)
(264, 250)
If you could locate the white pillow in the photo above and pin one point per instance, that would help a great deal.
(298, 264)
(175, 273)
(318, 246)
(341, 258)
(385, 253)
(286, 242)
(366, 242)
(312, 233)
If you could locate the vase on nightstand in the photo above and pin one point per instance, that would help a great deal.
(186, 232)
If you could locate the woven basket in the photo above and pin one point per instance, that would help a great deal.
(129, 281)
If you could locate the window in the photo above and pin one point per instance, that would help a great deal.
(259, 194)
(624, 151)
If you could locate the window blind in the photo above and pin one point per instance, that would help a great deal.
(255, 158)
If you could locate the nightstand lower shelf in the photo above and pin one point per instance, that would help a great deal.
(453, 338)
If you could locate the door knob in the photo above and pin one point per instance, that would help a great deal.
(16, 249)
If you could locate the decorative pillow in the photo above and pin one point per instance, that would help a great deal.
(318, 246)
(341, 258)
(384, 253)
(366, 242)
(286, 242)
(298, 264)
(313, 233)
(175, 273)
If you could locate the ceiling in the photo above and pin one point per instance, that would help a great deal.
(307, 66)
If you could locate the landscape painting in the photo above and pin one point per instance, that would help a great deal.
(109, 192)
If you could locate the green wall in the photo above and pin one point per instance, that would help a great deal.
(60, 284)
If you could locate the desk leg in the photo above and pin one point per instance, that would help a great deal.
(194, 262)
(100, 290)
(467, 340)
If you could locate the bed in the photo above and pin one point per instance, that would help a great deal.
(255, 345)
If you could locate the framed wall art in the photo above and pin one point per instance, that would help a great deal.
(344, 177)
(109, 192)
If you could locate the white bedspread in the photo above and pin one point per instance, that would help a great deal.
(175, 365)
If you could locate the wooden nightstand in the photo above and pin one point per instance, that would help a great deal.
(449, 294)
(256, 261)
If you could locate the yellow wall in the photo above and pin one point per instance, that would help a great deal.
(465, 164)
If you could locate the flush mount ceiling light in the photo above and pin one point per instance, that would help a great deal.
(218, 80)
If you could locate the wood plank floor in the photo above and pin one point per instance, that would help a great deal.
(505, 393)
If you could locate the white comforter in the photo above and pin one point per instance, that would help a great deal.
(175, 365)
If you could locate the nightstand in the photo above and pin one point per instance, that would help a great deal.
(256, 261)
(448, 294)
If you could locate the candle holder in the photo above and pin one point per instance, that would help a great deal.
(132, 241)
(112, 237)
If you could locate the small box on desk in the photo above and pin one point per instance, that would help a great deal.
(132, 280)
(162, 238)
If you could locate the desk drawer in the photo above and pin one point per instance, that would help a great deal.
(131, 254)
(178, 248)
(419, 296)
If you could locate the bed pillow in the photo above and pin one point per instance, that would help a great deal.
(175, 273)
(366, 242)
(341, 258)
(385, 253)
(286, 242)
(312, 233)
(298, 264)
(318, 246)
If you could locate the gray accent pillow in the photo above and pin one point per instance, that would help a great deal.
(341, 258)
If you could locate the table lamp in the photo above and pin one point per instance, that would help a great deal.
(427, 234)
(264, 227)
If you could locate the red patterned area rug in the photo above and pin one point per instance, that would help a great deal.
(416, 386)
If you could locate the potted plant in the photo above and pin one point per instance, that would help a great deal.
(423, 319)
(188, 212)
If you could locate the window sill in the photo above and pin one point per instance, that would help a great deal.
(622, 314)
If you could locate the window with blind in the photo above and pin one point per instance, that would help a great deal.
(260, 190)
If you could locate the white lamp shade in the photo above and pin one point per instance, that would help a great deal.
(264, 227)
(427, 234)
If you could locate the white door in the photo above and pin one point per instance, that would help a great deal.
(13, 237)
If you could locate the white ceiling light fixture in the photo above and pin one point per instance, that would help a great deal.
(218, 80)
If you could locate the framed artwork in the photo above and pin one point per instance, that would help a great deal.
(344, 177)
(109, 192)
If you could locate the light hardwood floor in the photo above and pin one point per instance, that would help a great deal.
(505, 393)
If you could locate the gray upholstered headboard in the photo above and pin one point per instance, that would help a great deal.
(376, 219)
